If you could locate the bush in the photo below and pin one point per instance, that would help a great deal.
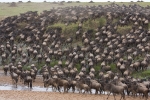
(29, 1)
(77, 1)
(20, 2)
(69, 2)
(91, 1)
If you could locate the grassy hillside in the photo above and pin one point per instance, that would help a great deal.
(6, 10)
(70, 29)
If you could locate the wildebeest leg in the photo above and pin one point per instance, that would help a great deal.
(52, 88)
(96, 91)
(128, 92)
(146, 96)
(73, 89)
(84, 91)
(108, 95)
(47, 88)
(123, 96)
(5, 71)
(91, 92)
(31, 84)
(68, 88)
(59, 89)
(80, 90)
(100, 90)
(64, 89)
(28, 84)
(114, 96)
(16, 84)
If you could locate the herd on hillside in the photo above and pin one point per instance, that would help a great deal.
(104, 59)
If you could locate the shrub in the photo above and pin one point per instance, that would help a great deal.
(77, 1)
(91, 1)
(29, 1)
(20, 2)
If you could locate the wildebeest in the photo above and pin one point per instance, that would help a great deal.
(115, 89)
(14, 78)
(6, 68)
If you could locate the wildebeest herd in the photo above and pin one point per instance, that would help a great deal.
(26, 40)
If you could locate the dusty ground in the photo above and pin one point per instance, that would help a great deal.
(34, 95)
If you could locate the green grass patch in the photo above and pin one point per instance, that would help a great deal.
(78, 66)
(141, 74)
(77, 42)
(138, 58)
(53, 63)
(102, 21)
(115, 20)
(97, 67)
(68, 30)
(113, 67)
(40, 65)
(92, 24)
(21, 25)
(124, 29)
(63, 63)
(26, 67)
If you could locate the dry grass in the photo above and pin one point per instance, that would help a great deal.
(5, 10)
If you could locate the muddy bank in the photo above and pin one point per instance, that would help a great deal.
(34, 95)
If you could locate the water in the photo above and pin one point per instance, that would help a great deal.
(35, 88)
(11, 87)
